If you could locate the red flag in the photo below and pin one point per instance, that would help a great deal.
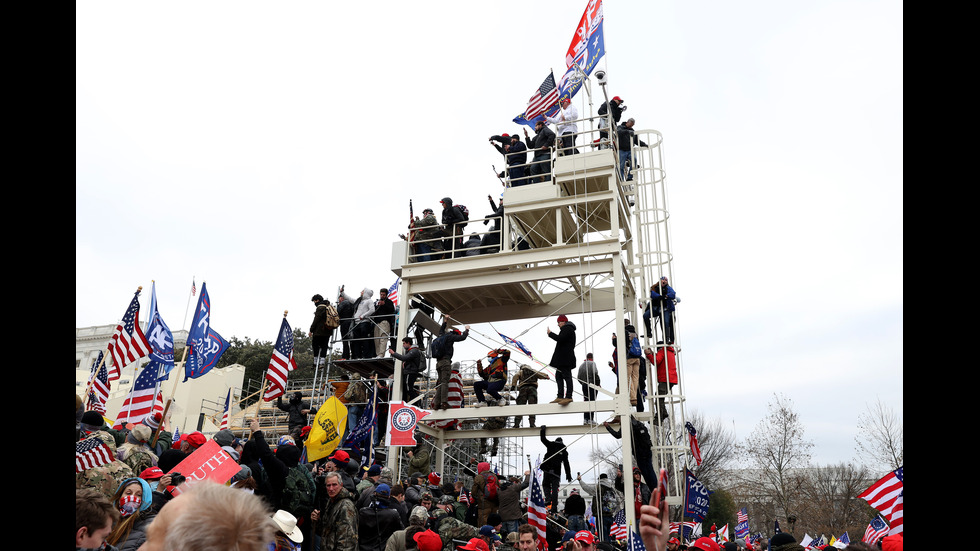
(402, 419)
(586, 26)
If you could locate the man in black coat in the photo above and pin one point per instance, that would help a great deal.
(453, 222)
(378, 521)
(515, 153)
(642, 448)
(345, 309)
(540, 146)
(411, 368)
(563, 359)
(555, 457)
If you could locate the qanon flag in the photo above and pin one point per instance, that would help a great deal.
(402, 419)
(328, 426)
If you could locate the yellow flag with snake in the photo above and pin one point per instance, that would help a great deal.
(327, 429)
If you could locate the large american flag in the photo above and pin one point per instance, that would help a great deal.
(128, 343)
(537, 512)
(695, 448)
(98, 393)
(91, 452)
(141, 399)
(619, 530)
(886, 496)
(455, 400)
(635, 542)
(281, 363)
(878, 528)
(544, 97)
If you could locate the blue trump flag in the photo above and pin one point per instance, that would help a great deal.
(697, 498)
(367, 421)
(205, 344)
(161, 340)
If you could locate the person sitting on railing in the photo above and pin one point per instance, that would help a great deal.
(567, 127)
(494, 378)
(541, 145)
(515, 153)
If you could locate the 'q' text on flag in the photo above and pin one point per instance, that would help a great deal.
(281, 363)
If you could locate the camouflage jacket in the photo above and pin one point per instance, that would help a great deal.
(338, 524)
(137, 457)
(450, 528)
(105, 479)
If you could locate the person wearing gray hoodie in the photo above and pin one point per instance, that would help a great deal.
(362, 345)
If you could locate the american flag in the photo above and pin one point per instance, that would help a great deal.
(742, 524)
(695, 448)
(193, 287)
(544, 97)
(619, 530)
(742, 515)
(227, 414)
(99, 391)
(455, 400)
(518, 344)
(886, 496)
(141, 399)
(464, 496)
(128, 343)
(393, 292)
(844, 539)
(635, 543)
(91, 452)
(281, 363)
(537, 512)
(878, 528)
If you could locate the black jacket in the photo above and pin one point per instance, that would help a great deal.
(617, 111)
(642, 443)
(544, 138)
(555, 457)
(411, 360)
(564, 355)
(451, 337)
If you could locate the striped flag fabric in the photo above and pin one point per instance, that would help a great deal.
(91, 452)
(537, 512)
(886, 496)
(98, 393)
(393, 292)
(544, 97)
(193, 287)
(281, 363)
(127, 343)
(227, 413)
(619, 530)
(695, 447)
(876, 530)
(141, 399)
(455, 400)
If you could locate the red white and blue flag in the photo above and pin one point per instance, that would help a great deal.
(227, 414)
(520, 346)
(886, 496)
(402, 420)
(127, 343)
(141, 399)
(98, 392)
(695, 447)
(619, 530)
(742, 523)
(876, 530)
(537, 512)
(281, 363)
(587, 26)
(205, 344)
(544, 99)
(91, 452)
(393, 292)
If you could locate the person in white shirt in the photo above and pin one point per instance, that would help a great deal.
(567, 127)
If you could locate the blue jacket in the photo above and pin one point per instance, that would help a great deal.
(668, 298)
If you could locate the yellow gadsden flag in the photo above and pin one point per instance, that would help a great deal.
(327, 429)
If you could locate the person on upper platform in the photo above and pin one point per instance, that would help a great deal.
(540, 146)
(453, 224)
(515, 154)
(626, 138)
(567, 127)
(494, 378)
(662, 295)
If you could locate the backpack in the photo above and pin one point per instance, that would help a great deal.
(634, 349)
(466, 215)
(490, 488)
(610, 503)
(438, 346)
(297, 494)
(333, 318)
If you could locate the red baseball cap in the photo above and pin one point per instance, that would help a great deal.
(428, 541)
(585, 536)
(151, 473)
(196, 439)
(340, 455)
(617, 98)
(706, 544)
(475, 544)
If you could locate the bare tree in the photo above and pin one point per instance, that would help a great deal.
(717, 443)
(880, 439)
(831, 505)
(777, 453)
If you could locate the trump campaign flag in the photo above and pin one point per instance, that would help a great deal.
(696, 500)
(161, 339)
(205, 345)
(402, 418)
(327, 428)
(587, 27)
(742, 526)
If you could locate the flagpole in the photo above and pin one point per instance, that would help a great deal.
(173, 391)
(193, 285)
(374, 401)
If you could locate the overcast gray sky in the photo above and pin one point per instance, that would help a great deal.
(272, 150)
